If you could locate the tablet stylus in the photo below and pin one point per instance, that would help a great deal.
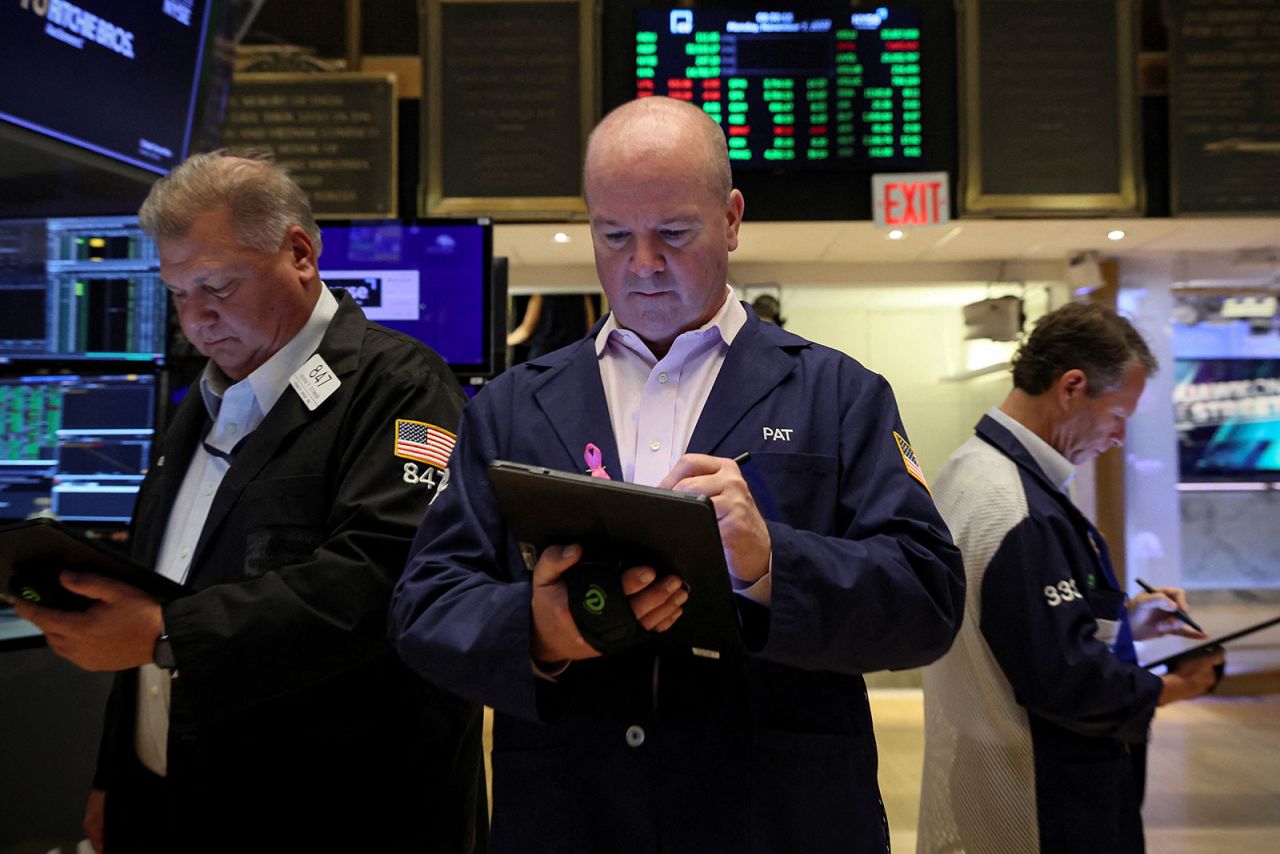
(1177, 612)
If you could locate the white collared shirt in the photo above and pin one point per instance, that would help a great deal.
(654, 404)
(1056, 467)
(236, 410)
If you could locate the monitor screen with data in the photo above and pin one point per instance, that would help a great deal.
(80, 289)
(76, 446)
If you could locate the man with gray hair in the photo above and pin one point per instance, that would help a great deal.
(1036, 720)
(838, 558)
(264, 710)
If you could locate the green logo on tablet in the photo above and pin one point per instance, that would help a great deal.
(594, 600)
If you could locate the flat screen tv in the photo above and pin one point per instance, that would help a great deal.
(429, 278)
(814, 96)
(1228, 419)
(120, 79)
(75, 446)
(824, 86)
(80, 289)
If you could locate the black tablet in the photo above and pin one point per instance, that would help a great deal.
(620, 525)
(34, 552)
(1212, 643)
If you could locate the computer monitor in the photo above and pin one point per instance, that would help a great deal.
(80, 289)
(823, 84)
(75, 446)
(1227, 413)
(121, 80)
(428, 278)
(814, 96)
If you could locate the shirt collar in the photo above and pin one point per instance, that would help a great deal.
(271, 378)
(1056, 467)
(727, 321)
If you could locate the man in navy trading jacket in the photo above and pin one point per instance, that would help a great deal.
(265, 710)
(839, 559)
(1036, 721)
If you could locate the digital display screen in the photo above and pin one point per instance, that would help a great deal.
(1227, 413)
(75, 446)
(839, 87)
(429, 279)
(81, 288)
(119, 79)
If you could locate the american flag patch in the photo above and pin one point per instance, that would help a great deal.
(909, 460)
(425, 443)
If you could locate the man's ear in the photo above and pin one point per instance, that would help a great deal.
(1071, 385)
(302, 251)
(733, 218)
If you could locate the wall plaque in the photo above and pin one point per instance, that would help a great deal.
(509, 100)
(1050, 107)
(1224, 107)
(335, 133)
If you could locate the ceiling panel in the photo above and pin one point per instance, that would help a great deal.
(959, 241)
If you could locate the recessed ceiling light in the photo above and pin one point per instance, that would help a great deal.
(897, 234)
(1115, 235)
(561, 237)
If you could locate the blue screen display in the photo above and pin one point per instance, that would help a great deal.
(426, 278)
(1228, 418)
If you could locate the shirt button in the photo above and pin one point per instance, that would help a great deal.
(184, 552)
(233, 427)
(155, 692)
(662, 377)
(635, 735)
(655, 445)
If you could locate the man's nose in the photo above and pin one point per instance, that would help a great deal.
(197, 310)
(647, 259)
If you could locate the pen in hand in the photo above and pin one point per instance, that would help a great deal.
(1177, 612)
(742, 459)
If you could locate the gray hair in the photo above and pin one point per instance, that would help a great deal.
(264, 201)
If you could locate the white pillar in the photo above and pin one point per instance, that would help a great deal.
(1153, 532)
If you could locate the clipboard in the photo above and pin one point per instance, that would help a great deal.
(1212, 644)
(620, 525)
(35, 551)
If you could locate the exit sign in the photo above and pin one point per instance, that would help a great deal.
(912, 198)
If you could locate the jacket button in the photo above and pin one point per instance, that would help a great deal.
(635, 735)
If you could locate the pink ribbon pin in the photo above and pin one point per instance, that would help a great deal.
(595, 462)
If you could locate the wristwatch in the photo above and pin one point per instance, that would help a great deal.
(162, 654)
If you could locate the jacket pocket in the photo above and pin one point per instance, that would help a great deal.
(815, 793)
(798, 489)
(287, 521)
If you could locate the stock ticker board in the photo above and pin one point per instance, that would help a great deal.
(839, 89)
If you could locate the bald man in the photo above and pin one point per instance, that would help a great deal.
(839, 562)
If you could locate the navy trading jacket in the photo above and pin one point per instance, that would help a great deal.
(640, 752)
(1036, 720)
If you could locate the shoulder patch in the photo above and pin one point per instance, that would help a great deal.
(426, 443)
(909, 460)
